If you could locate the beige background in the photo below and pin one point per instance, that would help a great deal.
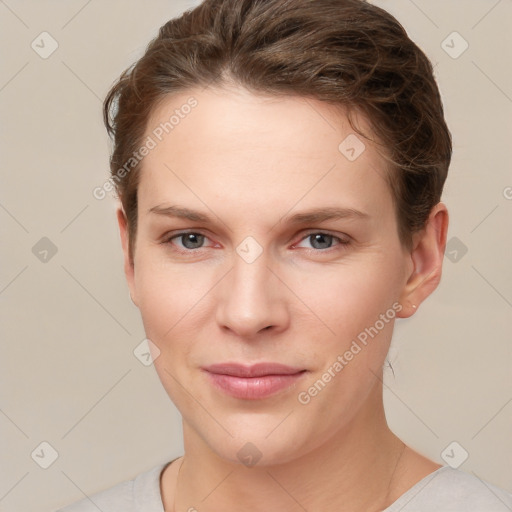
(68, 373)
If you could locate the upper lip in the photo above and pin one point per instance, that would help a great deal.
(255, 370)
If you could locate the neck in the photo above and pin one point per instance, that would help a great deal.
(357, 469)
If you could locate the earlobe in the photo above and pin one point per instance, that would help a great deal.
(129, 270)
(427, 260)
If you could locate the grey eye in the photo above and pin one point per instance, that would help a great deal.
(321, 240)
(192, 240)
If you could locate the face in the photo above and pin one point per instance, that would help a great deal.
(262, 240)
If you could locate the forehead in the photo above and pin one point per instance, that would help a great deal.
(249, 147)
(233, 115)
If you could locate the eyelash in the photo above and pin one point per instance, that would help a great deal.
(341, 242)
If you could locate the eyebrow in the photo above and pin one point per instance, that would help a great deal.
(180, 213)
(314, 215)
(325, 214)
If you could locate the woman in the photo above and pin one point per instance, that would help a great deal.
(280, 166)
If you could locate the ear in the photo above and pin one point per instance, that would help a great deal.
(129, 269)
(427, 261)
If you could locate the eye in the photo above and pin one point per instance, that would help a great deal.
(188, 241)
(322, 241)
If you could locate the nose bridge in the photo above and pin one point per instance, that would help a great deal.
(250, 279)
(251, 298)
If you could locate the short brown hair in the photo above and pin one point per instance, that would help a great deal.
(344, 52)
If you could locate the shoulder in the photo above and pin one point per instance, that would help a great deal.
(453, 490)
(137, 495)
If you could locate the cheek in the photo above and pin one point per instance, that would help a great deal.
(167, 294)
(170, 302)
(175, 303)
(349, 298)
(358, 304)
(359, 307)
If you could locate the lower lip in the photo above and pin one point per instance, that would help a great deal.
(253, 388)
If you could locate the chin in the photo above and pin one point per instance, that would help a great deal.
(258, 441)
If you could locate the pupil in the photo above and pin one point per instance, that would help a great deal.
(192, 240)
(320, 241)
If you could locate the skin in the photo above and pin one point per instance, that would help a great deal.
(250, 163)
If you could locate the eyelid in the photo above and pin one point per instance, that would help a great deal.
(168, 237)
(340, 237)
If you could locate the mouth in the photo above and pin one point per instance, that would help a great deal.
(254, 382)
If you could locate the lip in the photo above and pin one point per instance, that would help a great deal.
(253, 382)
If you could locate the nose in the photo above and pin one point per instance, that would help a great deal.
(252, 299)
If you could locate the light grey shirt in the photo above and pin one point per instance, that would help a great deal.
(444, 490)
